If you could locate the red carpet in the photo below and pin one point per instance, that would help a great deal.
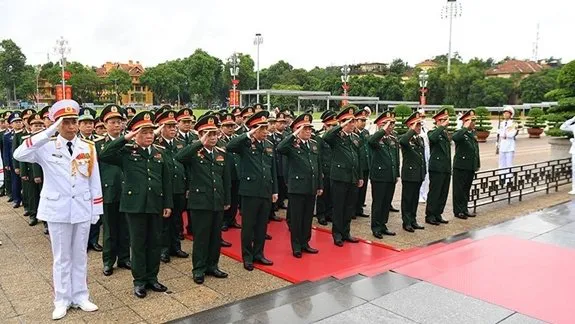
(532, 278)
(330, 261)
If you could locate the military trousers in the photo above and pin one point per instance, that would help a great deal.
(362, 193)
(94, 233)
(145, 242)
(381, 198)
(462, 180)
(409, 202)
(116, 242)
(344, 195)
(170, 234)
(231, 213)
(324, 209)
(16, 187)
(8, 181)
(26, 184)
(207, 240)
(34, 198)
(437, 196)
(255, 213)
(301, 209)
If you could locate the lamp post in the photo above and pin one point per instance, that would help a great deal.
(38, 69)
(234, 62)
(258, 40)
(345, 79)
(423, 86)
(451, 10)
(62, 48)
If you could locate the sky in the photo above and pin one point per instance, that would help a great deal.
(304, 33)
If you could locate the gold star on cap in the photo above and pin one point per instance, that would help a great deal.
(147, 117)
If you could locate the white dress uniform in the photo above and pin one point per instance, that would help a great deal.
(424, 190)
(507, 133)
(569, 126)
(71, 200)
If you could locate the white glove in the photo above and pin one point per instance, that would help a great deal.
(50, 131)
(95, 219)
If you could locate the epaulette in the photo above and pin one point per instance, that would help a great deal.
(221, 149)
(131, 145)
(99, 138)
(356, 135)
(53, 138)
(87, 141)
(159, 147)
(269, 141)
(312, 140)
(25, 137)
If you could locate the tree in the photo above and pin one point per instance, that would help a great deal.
(165, 80)
(247, 75)
(12, 64)
(273, 74)
(490, 92)
(566, 78)
(285, 101)
(118, 82)
(398, 67)
(26, 88)
(534, 87)
(201, 74)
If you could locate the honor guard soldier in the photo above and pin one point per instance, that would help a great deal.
(361, 121)
(506, 135)
(6, 156)
(345, 174)
(116, 238)
(146, 197)
(31, 176)
(131, 112)
(383, 173)
(71, 200)
(465, 163)
(227, 128)
(305, 181)
(209, 196)
(15, 121)
(258, 186)
(412, 172)
(171, 226)
(439, 169)
(324, 205)
(569, 126)
(246, 113)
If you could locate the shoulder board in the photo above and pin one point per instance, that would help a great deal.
(100, 138)
(25, 137)
(130, 145)
(312, 140)
(221, 149)
(269, 141)
(87, 141)
(53, 138)
(354, 134)
(159, 147)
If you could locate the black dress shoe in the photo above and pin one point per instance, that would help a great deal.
(33, 221)
(468, 214)
(125, 265)
(46, 232)
(140, 291)
(297, 254)
(264, 261)
(199, 279)
(27, 213)
(268, 237)
(322, 222)
(408, 228)
(224, 243)
(165, 258)
(351, 240)
(338, 243)
(393, 209)
(108, 271)
(96, 247)
(417, 226)
(180, 254)
(388, 232)
(461, 216)
(248, 266)
(378, 235)
(442, 221)
(235, 225)
(157, 287)
(224, 228)
(10, 199)
(217, 274)
(432, 222)
(17, 205)
(310, 250)
(275, 218)
(362, 214)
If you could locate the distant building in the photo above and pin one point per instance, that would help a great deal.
(511, 67)
(378, 69)
(139, 94)
(426, 65)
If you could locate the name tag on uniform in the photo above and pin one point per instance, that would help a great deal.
(57, 155)
(220, 158)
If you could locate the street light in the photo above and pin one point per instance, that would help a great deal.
(38, 69)
(423, 86)
(258, 40)
(234, 62)
(451, 10)
(345, 78)
(62, 48)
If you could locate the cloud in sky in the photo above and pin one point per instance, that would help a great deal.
(304, 33)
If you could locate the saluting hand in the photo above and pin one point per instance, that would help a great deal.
(167, 212)
(296, 133)
(467, 123)
(204, 138)
(132, 134)
(345, 123)
(158, 130)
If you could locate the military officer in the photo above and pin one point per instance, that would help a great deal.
(383, 173)
(245, 113)
(258, 186)
(3, 129)
(227, 127)
(186, 120)
(6, 158)
(412, 172)
(209, 196)
(506, 135)
(100, 128)
(45, 113)
(146, 197)
(15, 121)
(131, 112)
(18, 166)
(465, 163)
(27, 172)
(276, 136)
(239, 120)
(305, 181)
(171, 245)
(324, 205)
(439, 169)
(116, 238)
(424, 190)
(345, 174)
(361, 131)
(70, 200)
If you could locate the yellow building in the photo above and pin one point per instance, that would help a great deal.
(139, 94)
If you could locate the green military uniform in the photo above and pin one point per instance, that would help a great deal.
(146, 193)
(32, 189)
(305, 179)
(324, 206)
(364, 149)
(257, 186)
(234, 160)
(465, 163)
(7, 171)
(171, 245)
(116, 238)
(246, 113)
(209, 193)
(19, 139)
(412, 174)
(3, 189)
(186, 115)
(439, 171)
(345, 175)
(383, 175)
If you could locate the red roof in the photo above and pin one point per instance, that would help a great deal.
(134, 69)
(427, 63)
(515, 66)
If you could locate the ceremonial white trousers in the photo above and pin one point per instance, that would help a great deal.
(70, 255)
(506, 161)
